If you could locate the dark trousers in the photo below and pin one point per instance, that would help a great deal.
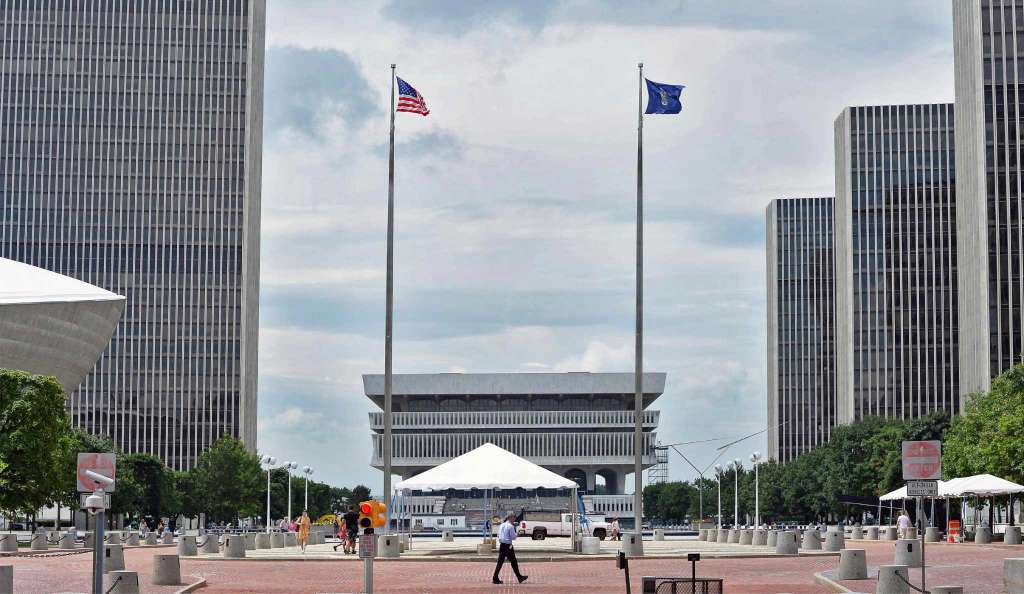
(506, 551)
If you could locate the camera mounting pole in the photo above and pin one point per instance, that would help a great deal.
(96, 504)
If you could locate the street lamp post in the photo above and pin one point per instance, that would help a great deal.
(269, 462)
(288, 467)
(736, 493)
(307, 471)
(718, 475)
(755, 458)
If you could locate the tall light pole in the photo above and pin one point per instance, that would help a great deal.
(755, 458)
(718, 475)
(736, 493)
(308, 472)
(269, 462)
(289, 467)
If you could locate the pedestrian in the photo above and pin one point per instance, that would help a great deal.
(303, 525)
(339, 531)
(903, 523)
(616, 531)
(507, 534)
(351, 519)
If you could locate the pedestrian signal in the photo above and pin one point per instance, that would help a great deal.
(372, 514)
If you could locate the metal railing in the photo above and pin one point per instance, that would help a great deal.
(506, 418)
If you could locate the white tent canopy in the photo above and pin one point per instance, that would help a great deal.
(982, 485)
(487, 467)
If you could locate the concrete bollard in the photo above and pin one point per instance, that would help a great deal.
(209, 544)
(723, 535)
(911, 533)
(403, 543)
(659, 534)
(734, 536)
(276, 540)
(785, 543)
(853, 564)
(262, 540)
(1013, 575)
(856, 533)
(632, 545)
(388, 546)
(889, 583)
(591, 545)
(835, 540)
(67, 541)
(760, 538)
(6, 578)
(166, 570)
(167, 538)
(773, 538)
(481, 549)
(931, 534)
(447, 536)
(1012, 535)
(702, 534)
(113, 558)
(983, 535)
(872, 533)
(38, 542)
(746, 537)
(234, 546)
(123, 582)
(811, 542)
(90, 540)
(290, 540)
(891, 533)
(908, 552)
(187, 546)
(8, 543)
(112, 537)
(712, 535)
(250, 541)
(132, 539)
(946, 590)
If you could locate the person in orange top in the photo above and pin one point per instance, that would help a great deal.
(303, 527)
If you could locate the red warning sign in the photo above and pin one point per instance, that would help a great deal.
(922, 460)
(104, 464)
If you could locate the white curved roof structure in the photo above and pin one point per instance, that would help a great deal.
(487, 467)
(51, 324)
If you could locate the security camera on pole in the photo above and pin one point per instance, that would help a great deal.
(308, 471)
(96, 473)
(268, 462)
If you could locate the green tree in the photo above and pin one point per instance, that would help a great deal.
(145, 487)
(359, 493)
(33, 441)
(228, 481)
(78, 441)
(989, 436)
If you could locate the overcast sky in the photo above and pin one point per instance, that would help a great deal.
(516, 196)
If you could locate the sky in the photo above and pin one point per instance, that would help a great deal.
(516, 196)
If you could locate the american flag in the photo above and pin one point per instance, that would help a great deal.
(410, 100)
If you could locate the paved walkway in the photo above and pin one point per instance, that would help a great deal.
(978, 566)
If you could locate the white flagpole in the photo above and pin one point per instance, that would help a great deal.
(638, 429)
(389, 301)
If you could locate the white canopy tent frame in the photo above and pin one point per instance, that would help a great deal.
(489, 467)
(979, 485)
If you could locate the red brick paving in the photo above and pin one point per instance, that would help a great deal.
(963, 564)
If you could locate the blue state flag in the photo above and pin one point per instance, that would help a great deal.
(663, 98)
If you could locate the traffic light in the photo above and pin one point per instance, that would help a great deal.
(366, 516)
(372, 514)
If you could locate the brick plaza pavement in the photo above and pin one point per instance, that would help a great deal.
(979, 566)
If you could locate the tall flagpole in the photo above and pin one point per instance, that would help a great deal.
(638, 429)
(390, 300)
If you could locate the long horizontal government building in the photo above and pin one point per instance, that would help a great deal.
(579, 425)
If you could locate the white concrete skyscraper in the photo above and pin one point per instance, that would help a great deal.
(130, 158)
(988, 58)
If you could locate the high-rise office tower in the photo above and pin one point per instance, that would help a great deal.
(896, 304)
(130, 152)
(988, 58)
(801, 326)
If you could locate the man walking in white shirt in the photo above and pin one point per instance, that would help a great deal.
(507, 534)
(903, 523)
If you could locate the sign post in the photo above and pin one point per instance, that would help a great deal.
(922, 468)
(367, 551)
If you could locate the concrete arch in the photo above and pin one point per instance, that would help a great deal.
(611, 480)
(578, 475)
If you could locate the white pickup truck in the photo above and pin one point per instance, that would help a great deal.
(542, 525)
